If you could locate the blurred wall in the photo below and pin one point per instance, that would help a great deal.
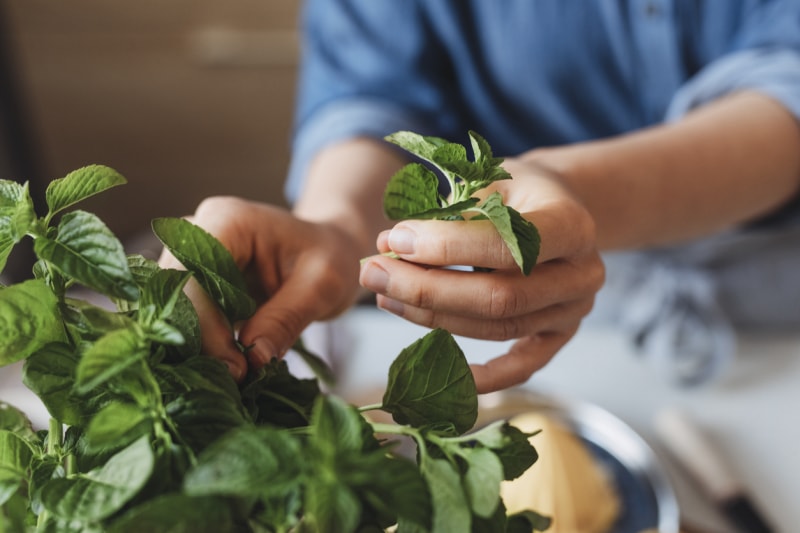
(186, 98)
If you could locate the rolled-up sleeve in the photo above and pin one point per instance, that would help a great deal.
(763, 55)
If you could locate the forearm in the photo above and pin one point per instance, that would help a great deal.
(345, 185)
(722, 165)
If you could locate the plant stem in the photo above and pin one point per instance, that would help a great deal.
(371, 407)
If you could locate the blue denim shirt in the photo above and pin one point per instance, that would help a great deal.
(531, 73)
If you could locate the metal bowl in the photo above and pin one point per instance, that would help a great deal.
(648, 500)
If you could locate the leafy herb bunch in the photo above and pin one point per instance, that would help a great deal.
(149, 434)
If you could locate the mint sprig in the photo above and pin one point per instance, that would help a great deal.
(413, 192)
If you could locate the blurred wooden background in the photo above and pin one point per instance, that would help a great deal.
(186, 98)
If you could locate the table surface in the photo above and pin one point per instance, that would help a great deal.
(750, 414)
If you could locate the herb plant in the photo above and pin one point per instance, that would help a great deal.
(413, 192)
(149, 434)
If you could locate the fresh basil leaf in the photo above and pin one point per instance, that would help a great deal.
(86, 250)
(201, 418)
(177, 513)
(413, 189)
(430, 382)
(482, 480)
(248, 461)
(331, 506)
(102, 492)
(108, 357)
(16, 455)
(272, 395)
(116, 425)
(517, 454)
(336, 426)
(210, 262)
(50, 374)
(450, 507)
(423, 146)
(29, 320)
(520, 235)
(90, 322)
(17, 216)
(14, 420)
(79, 185)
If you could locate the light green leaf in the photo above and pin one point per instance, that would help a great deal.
(29, 320)
(117, 425)
(79, 185)
(14, 420)
(451, 510)
(88, 251)
(16, 455)
(17, 216)
(210, 262)
(482, 479)
(413, 189)
(521, 236)
(331, 506)
(248, 461)
(422, 146)
(104, 491)
(430, 382)
(109, 356)
(177, 513)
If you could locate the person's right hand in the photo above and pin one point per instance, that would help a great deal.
(299, 271)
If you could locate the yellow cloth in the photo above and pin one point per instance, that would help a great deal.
(566, 483)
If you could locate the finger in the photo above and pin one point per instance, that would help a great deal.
(277, 324)
(216, 332)
(492, 295)
(515, 367)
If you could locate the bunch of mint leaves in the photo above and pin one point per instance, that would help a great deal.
(147, 433)
(414, 192)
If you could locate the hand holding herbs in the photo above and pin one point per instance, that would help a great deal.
(470, 224)
(149, 434)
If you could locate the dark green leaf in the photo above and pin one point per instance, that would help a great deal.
(79, 185)
(528, 521)
(210, 262)
(29, 319)
(86, 250)
(201, 418)
(430, 382)
(177, 513)
(331, 506)
(315, 363)
(482, 480)
(517, 454)
(272, 395)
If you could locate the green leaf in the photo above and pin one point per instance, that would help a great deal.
(79, 185)
(14, 420)
(412, 190)
(16, 455)
(450, 506)
(102, 492)
(29, 320)
(422, 146)
(336, 426)
(108, 357)
(430, 382)
(177, 513)
(517, 454)
(50, 374)
(17, 216)
(482, 480)
(210, 262)
(331, 506)
(116, 425)
(201, 417)
(272, 395)
(86, 250)
(520, 235)
(248, 461)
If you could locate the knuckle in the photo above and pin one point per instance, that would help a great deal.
(503, 301)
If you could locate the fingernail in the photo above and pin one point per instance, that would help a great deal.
(263, 351)
(236, 371)
(374, 277)
(402, 240)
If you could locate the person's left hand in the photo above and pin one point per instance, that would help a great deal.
(542, 311)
